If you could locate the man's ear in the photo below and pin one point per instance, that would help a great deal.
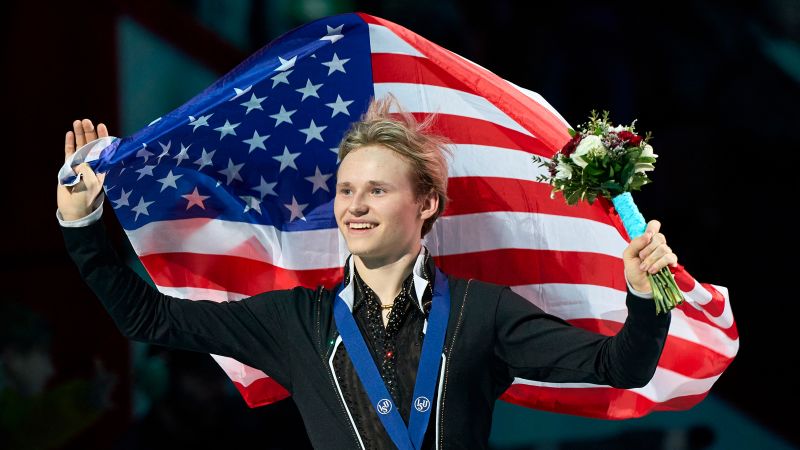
(429, 205)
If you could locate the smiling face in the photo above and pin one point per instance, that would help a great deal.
(376, 208)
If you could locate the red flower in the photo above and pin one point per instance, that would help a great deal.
(634, 139)
(570, 146)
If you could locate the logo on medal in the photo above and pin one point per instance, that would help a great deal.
(384, 406)
(422, 404)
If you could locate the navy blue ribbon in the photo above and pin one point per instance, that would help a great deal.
(422, 402)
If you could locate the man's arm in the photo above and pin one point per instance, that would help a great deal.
(249, 330)
(539, 346)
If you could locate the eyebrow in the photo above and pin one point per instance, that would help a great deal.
(370, 182)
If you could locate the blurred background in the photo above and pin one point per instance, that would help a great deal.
(718, 84)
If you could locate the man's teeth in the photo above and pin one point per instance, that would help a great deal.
(362, 225)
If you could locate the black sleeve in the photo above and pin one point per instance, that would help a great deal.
(539, 346)
(249, 330)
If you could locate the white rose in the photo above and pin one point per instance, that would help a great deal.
(590, 145)
(648, 152)
(564, 171)
(645, 167)
(617, 128)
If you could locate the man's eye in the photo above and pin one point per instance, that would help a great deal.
(344, 191)
(378, 191)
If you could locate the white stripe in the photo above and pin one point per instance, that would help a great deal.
(535, 96)
(196, 293)
(470, 160)
(383, 40)
(699, 296)
(298, 250)
(241, 373)
(306, 250)
(436, 99)
(664, 386)
(582, 301)
(489, 231)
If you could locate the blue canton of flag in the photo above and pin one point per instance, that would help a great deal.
(258, 146)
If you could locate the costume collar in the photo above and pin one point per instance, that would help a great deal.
(420, 281)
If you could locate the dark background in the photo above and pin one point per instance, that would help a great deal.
(716, 83)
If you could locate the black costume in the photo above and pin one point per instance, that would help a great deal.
(493, 335)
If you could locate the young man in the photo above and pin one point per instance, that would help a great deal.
(403, 356)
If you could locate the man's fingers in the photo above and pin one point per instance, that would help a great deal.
(102, 131)
(88, 130)
(80, 139)
(89, 177)
(69, 144)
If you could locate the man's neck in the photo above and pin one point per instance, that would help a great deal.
(385, 278)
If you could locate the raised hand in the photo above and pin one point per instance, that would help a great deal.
(76, 202)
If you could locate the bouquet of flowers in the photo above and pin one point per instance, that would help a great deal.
(610, 161)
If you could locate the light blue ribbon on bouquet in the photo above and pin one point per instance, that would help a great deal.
(633, 220)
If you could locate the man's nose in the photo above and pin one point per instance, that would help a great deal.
(358, 205)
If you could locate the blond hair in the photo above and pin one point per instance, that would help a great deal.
(411, 140)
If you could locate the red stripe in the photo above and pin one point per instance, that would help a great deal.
(522, 109)
(396, 68)
(469, 195)
(468, 130)
(250, 277)
(601, 402)
(694, 314)
(262, 391)
(231, 273)
(512, 267)
(679, 355)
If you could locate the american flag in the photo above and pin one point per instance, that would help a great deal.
(231, 195)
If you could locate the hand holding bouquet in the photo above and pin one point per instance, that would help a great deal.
(608, 161)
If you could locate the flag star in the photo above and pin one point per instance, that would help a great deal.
(182, 155)
(286, 63)
(144, 153)
(313, 132)
(336, 151)
(265, 188)
(195, 199)
(339, 106)
(123, 199)
(319, 180)
(205, 159)
(251, 202)
(283, 116)
(256, 142)
(202, 121)
(232, 172)
(164, 150)
(141, 208)
(282, 77)
(253, 103)
(310, 90)
(168, 181)
(227, 129)
(240, 92)
(296, 210)
(287, 159)
(334, 34)
(146, 170)
(336, 64)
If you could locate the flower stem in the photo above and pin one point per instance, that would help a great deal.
(666, 294)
